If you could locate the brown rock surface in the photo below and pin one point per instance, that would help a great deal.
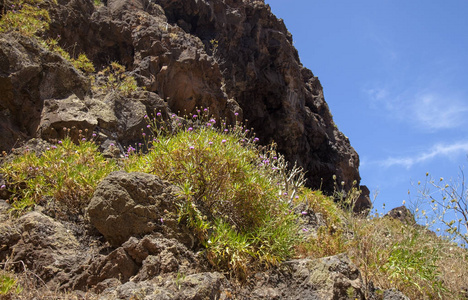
(133, 204)
(29, 75)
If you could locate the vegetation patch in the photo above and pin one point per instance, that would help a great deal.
(236, 201)
(67, 174)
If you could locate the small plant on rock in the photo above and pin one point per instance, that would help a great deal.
(116, 79)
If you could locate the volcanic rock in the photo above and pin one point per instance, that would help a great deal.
(133, 204)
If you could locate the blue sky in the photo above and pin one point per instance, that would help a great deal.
(395, 76)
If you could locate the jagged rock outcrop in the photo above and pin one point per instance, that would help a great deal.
(29, 76)
(232, 56)
(261, 70)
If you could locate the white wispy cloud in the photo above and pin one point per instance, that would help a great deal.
(438, 150)
(424, 108)
(434, 111)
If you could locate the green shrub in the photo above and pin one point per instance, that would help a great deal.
(26, 18)
(242, 219)
(68, 173)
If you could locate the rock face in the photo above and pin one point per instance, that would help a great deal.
(232, 56)
(29, 76)
(261, 70)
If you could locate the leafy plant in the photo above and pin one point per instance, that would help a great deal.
(26, 18)
(413, 266)
(9, 285)
(66, 172)
(81, 63)
(242, 219)
(116, 79)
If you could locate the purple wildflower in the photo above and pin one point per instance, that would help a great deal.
(304, 213)
(158, 114)
(3, 186)
(223, 141)
(191, 147)
(190, 129)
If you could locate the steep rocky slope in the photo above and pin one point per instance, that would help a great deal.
(231, 56)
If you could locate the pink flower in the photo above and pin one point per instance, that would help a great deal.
(223, 141)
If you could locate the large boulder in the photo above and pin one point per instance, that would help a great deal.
(134, 204)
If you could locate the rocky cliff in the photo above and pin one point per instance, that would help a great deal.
(231, 56)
